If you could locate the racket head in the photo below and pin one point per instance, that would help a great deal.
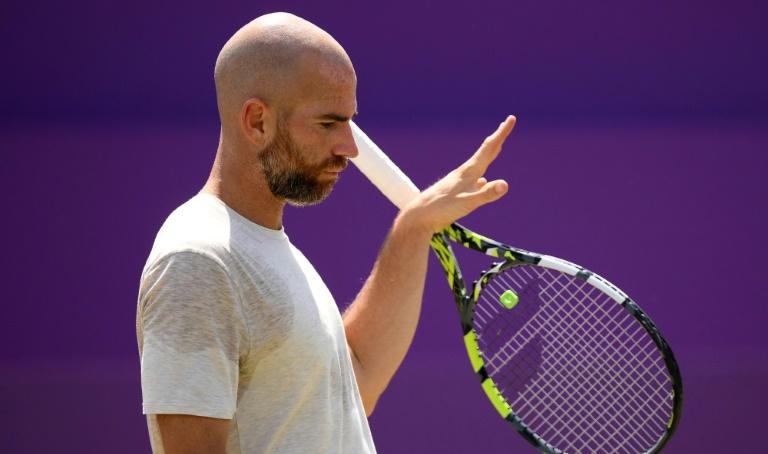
(564, 355)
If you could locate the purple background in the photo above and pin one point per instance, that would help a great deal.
(640, 153)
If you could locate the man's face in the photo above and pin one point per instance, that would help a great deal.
(313, 139)
(289, 174)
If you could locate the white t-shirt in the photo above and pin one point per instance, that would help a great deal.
(233, 322)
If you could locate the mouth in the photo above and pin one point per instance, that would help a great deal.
(336, 169)
(330, 174)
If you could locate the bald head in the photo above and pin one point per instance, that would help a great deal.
(278, 58)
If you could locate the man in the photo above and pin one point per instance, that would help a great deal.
(242, 346)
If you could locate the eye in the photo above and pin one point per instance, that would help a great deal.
(327, 124)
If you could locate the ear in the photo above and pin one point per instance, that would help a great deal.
(257, 121)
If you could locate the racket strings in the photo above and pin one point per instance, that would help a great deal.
(584, 379)
(571, 378)
(576, 367)
(593, 386)
(588, 379)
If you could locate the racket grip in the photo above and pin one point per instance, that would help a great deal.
(381, 171)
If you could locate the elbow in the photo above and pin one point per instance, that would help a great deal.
(370, 394)
(368, 391)
(369, 404)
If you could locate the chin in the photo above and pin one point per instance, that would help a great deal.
(320, 194)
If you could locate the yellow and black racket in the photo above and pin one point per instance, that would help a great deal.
(563, 355)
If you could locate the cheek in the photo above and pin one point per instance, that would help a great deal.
(311, 154)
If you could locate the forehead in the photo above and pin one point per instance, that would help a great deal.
(326, 86)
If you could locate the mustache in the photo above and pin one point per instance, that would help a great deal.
(335, 163)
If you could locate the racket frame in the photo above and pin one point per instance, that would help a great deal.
(510, 257)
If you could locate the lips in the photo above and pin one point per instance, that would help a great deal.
(336, 169)
(336, 165)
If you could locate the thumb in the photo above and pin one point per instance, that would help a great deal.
(490, 192)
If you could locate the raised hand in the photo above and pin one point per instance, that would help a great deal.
(464, 189)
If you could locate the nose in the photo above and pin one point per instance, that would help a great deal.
(347, 146)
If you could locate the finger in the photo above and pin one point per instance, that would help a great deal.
(480, 183)
(491, 146)
(488, 193)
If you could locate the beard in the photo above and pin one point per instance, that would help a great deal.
(288, 174)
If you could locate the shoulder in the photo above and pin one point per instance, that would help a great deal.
(200, 228)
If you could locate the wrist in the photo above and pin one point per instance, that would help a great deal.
(411, 222)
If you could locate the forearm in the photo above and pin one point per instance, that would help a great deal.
(381, 322)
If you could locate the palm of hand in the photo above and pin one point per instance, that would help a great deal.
(464, 189)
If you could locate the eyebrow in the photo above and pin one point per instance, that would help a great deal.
(337, 117)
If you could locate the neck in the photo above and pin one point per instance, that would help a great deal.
(239, 184)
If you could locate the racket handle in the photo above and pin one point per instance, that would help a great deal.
(381, 171)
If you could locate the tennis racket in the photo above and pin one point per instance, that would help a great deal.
(562, 354)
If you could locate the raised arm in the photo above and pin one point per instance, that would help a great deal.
(381, 322)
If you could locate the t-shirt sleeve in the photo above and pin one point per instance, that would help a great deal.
(192, 336)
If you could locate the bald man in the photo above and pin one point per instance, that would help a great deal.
(243, 349)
